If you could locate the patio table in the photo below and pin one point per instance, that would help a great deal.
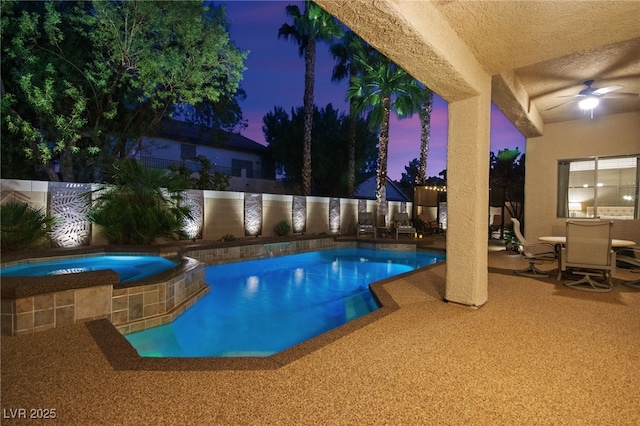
(559, 241)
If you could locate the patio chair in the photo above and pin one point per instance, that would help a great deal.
(630, 256)
(403, 225)
(535, 253)
(588, 252)
(366, 224)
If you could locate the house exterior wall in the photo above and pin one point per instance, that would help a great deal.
(607, 135)
(171, 150)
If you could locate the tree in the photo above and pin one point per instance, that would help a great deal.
(410, 177)
(217, 181)
(225, 114)
(425, 134)
(93, 77)
(307, 29)
(330, 145)
(506, 180)
(344, 52)
(383, 87)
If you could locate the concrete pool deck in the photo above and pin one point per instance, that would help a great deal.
(537, 352)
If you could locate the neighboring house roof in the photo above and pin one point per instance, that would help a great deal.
(201, 135)
(367, 189)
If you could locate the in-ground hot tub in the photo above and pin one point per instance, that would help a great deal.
(132, 290)
(128, 267)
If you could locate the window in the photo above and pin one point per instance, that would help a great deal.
(604, 187)
(237, 167)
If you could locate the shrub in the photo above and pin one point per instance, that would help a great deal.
(227, 237)
(23, 227)
(141, 204)
(282, 228)
(217, 181)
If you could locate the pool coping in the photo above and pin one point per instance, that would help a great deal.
(122, 356)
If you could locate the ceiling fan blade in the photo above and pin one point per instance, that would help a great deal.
(559, 105)
(607, 89)
(621, 95)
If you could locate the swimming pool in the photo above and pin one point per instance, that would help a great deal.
(129, 268)
(261, 307)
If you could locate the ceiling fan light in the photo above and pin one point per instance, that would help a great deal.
(588, 103)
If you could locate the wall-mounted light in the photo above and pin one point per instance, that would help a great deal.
(299, 214)
(252, 214)
(334, 215)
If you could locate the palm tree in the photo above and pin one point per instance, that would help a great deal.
(383, 87)
(141, 205)
(308, 28)
(425, 134)
(347, 67)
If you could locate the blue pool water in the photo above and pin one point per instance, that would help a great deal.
(129, 268)
(261, 307)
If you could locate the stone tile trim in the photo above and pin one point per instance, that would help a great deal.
(78, 298)
(134, 306)
(216, 255)
(42, 312)
(123, 357)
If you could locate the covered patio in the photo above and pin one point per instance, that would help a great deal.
(539, 353)
(521, 56)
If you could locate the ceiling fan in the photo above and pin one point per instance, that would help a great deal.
(589, 97)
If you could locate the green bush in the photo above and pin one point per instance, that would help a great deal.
(23, 227)
(282, 228)
(217, 181)
(141, 205)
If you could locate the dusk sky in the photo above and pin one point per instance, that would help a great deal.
(275, 77)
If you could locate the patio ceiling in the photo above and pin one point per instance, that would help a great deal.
(535, 51)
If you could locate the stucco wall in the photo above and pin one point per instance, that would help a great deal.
(601, 136)
(33, 192)
(224, 210)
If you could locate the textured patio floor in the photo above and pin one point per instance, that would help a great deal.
(536, 353)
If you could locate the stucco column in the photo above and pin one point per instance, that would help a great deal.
(468, 199)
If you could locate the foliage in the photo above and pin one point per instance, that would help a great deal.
(217, 181)
(383, 87)
(506, 180)
(227, 237)
(225, 114)
(282, 228)
(345, 52)
(410, 178)
(283, 133)
(308, 28)
(23, 226)
(83, 81)
(140, 205)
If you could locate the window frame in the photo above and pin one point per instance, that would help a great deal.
(564, 201)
